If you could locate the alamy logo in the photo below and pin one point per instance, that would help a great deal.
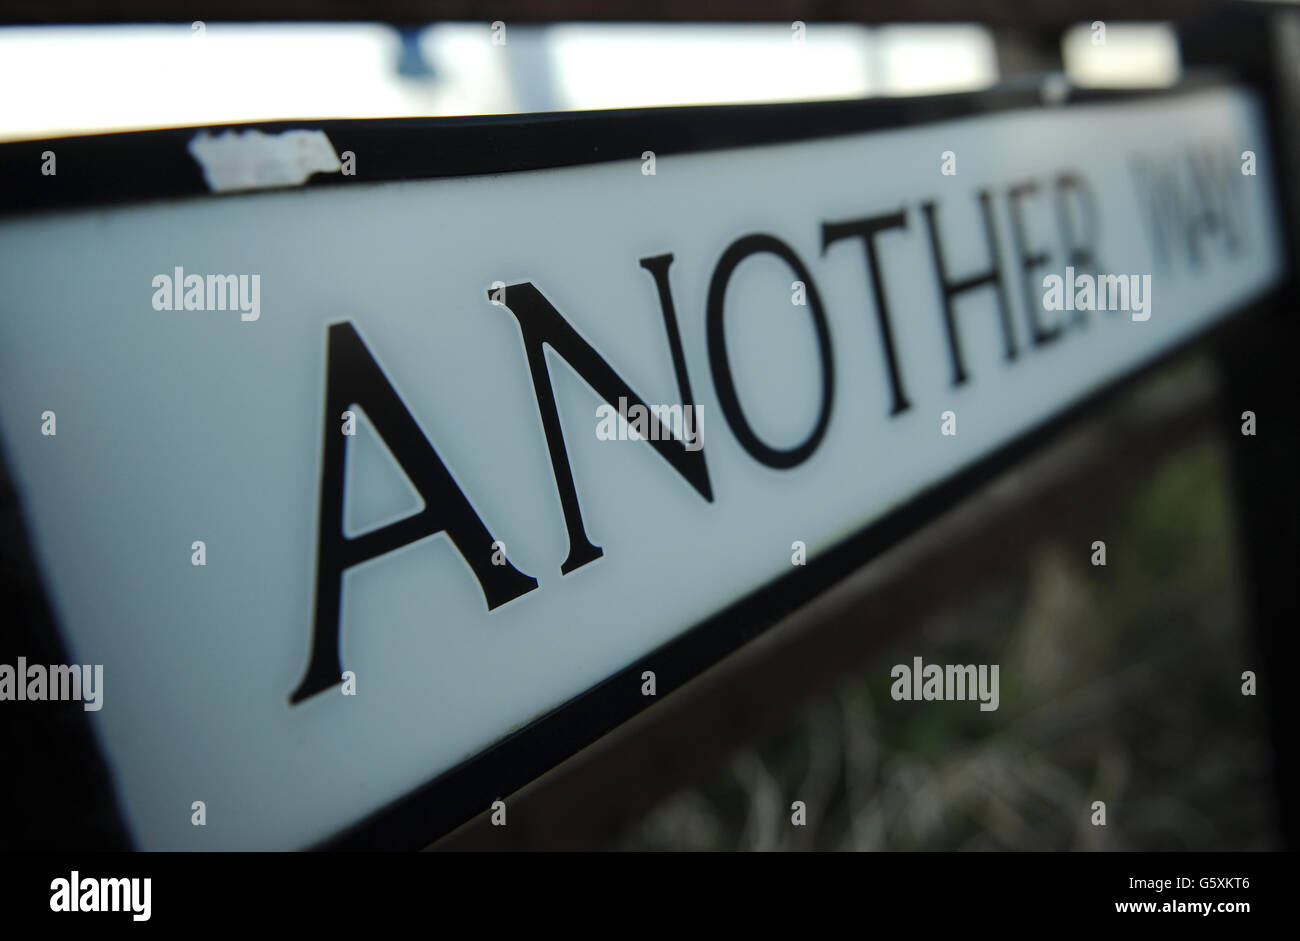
(651, 423)
(1100, 292)
(83, 684)
(75, 894)
(181, 291)
(952, 682)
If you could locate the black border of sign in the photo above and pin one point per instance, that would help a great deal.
(143, 166)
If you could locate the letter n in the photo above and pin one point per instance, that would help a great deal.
(352, 379)
(541, 325)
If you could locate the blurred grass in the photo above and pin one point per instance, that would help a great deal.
(1118, 683)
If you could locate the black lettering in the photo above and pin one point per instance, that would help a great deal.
(541, 325)
(1218, 182)
(867, 230)
(737, 252)
(951, 289)
(1080, 249)
(353, 378)
(1039, 334)
(1178, 218)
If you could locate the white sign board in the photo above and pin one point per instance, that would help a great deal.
(384, 594)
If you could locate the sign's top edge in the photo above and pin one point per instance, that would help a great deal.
(106, 169)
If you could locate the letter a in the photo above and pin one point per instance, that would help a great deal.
(353, 378)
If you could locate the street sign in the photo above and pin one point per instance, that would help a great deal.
(374, 498)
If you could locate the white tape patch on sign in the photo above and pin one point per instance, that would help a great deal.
(475, 551)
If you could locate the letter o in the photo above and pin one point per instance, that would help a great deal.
(737, 252)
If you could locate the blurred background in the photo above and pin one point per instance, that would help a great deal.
(117, 77)
(1129, 693)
